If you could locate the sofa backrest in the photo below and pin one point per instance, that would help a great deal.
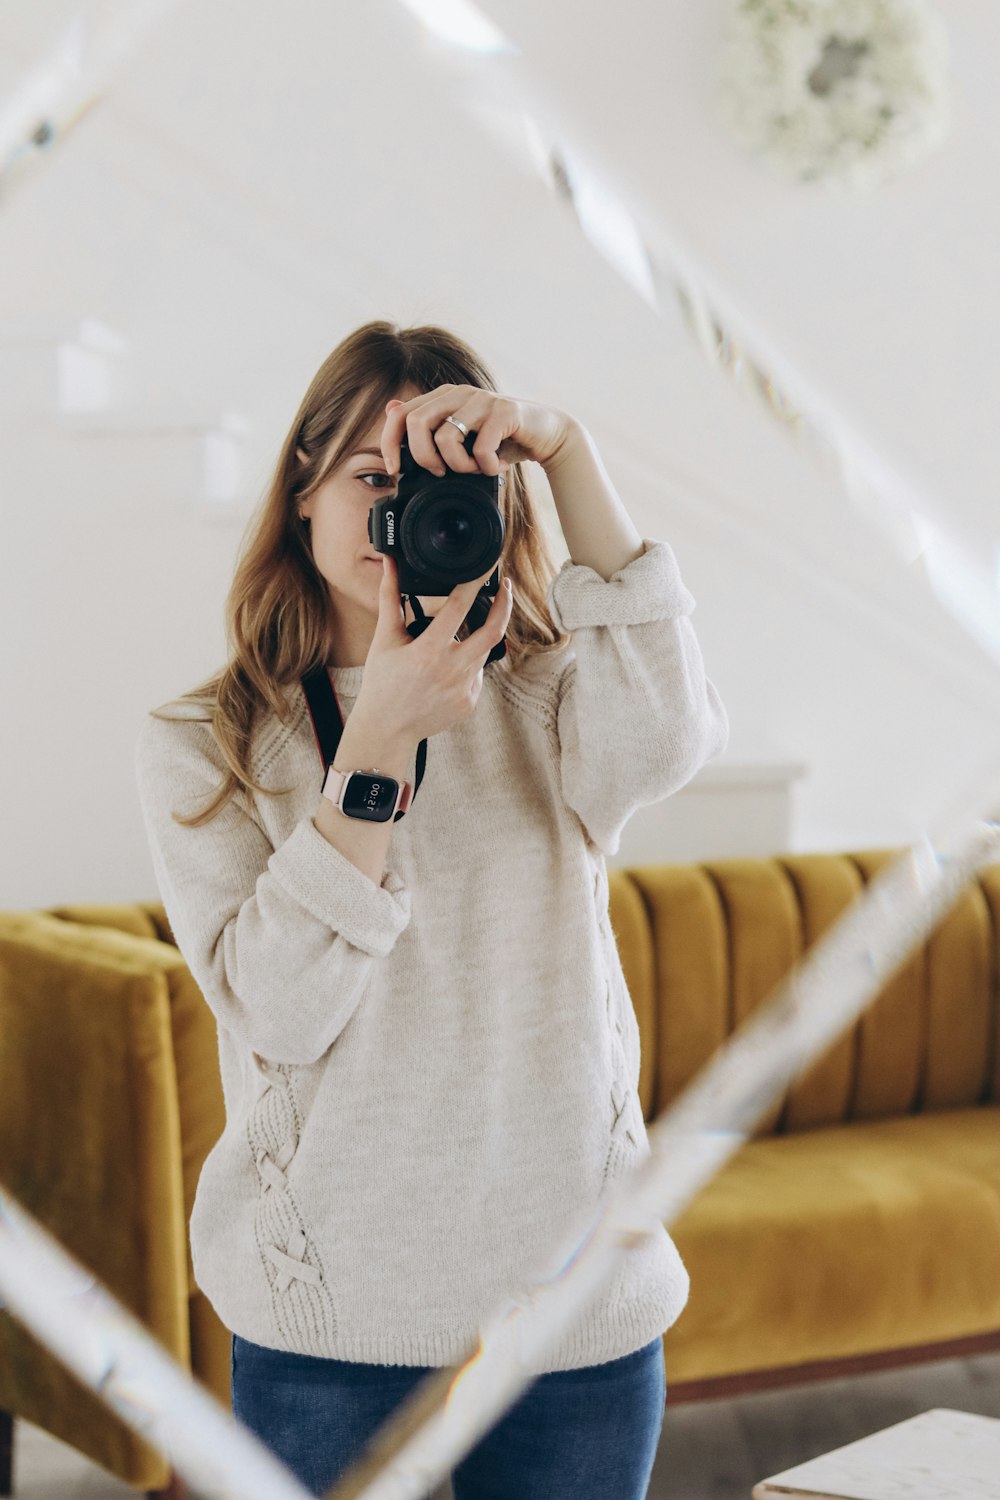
(703, 944)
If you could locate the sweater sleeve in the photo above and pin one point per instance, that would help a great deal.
(282, 941)
(637, 717)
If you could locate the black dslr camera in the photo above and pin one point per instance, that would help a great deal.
(442, 530)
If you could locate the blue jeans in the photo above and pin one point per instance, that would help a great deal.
(572, 1435)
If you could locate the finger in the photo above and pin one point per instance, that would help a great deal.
(423, 418)
(451, 444)
(492, 630)
(394, 428)
(485, 450)
(457, 605)
(392, 433)
(420, 437)
(390, 605)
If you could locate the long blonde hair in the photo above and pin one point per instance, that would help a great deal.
(277, 609)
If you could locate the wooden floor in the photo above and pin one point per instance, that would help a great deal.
(710, 1450)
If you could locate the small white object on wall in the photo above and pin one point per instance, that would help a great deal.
(58, 366)
(89, 368)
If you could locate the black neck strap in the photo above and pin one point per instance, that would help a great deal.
(324, 710)
(328, 722)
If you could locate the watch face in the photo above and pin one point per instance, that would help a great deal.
(371, 797)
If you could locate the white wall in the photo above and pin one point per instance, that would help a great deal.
(113, 588)
(233, 260)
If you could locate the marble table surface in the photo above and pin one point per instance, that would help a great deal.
(938, 1455)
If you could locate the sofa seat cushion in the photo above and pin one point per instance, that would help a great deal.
(843, 1240)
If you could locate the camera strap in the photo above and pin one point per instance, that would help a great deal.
(321, 698)
(328, 722)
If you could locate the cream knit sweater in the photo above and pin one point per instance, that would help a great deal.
(429, 1082)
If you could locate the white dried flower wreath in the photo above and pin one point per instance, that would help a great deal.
(852, 91)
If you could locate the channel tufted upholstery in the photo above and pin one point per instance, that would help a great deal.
(110, 1099)
(863, 1216)
(861, 1221)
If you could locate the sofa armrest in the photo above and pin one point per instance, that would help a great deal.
(90, 1143)
(194, 1032)
(146, 919)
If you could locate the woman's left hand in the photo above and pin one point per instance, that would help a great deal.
(507, 430)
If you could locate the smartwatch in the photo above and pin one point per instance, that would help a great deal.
(368, 795)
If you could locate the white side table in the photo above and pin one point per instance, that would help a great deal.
(939, 1455)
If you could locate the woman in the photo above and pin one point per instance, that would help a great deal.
(429, 1054)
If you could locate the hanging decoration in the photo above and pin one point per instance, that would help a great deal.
(849, 91)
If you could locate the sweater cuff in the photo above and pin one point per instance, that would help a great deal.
(336, 892)
(647, 588)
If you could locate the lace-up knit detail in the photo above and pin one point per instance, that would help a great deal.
(623, 1100)
(303, 1308)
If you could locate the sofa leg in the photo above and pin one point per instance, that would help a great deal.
(175, 1489)
(6, 1453)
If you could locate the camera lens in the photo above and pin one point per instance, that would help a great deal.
(452, 534)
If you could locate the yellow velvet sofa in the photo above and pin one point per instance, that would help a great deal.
(859, 1227)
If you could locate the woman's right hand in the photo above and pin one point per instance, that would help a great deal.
(414, 687)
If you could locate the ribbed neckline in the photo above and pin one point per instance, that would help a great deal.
(347, 680)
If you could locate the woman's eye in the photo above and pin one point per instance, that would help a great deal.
(387, 477)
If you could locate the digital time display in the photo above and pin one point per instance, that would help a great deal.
(369, 796)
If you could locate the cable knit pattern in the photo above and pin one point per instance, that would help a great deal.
(430, 1082)
(300, 1299)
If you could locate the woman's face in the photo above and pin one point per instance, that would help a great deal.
(341, 549)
